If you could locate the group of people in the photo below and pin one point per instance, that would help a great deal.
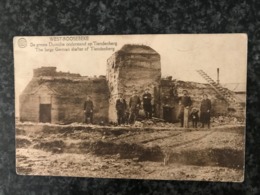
(127, 114)
(205, 110)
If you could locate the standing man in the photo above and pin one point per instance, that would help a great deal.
(185, 103)
(147, 105)
(88, 110)
(205, 109)
(134, 106)
(121, 109)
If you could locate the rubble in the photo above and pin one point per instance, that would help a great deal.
(215, 121)
(226, 120)
(154, 122)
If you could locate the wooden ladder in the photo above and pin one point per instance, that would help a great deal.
(225, 93)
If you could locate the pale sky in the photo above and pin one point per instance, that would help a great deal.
(181, 56)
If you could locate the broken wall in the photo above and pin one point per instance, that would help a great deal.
(52, 71)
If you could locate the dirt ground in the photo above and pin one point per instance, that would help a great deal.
(215, 154)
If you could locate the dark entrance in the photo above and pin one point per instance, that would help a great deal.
(168, 114)
(45, 113)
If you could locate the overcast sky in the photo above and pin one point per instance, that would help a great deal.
(181, 56)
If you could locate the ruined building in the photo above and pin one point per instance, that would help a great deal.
(58, 97)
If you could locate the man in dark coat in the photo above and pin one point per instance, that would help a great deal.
(121, 109)
(185, 102)
(205, 109)
(88, 110)
(147, 104)
(134, 106)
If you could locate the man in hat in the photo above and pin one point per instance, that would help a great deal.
(88, 110)
(205, 109)
(185, 103)
(147, 105)
(134, 106)
(121, 109)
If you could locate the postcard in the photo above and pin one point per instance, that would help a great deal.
(157, 107)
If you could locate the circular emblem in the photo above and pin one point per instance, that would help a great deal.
(22, 43)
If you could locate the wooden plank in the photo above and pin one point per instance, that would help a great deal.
(186, 118)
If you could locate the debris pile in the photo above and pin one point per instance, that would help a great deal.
(227, 120)
(153, 122)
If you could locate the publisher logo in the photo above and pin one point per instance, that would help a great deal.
(22, 42)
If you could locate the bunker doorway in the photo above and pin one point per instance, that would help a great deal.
(45, 113)
(168, 114)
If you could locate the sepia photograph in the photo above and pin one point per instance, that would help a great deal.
(157, 107)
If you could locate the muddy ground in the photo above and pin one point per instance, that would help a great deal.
(215, 154)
